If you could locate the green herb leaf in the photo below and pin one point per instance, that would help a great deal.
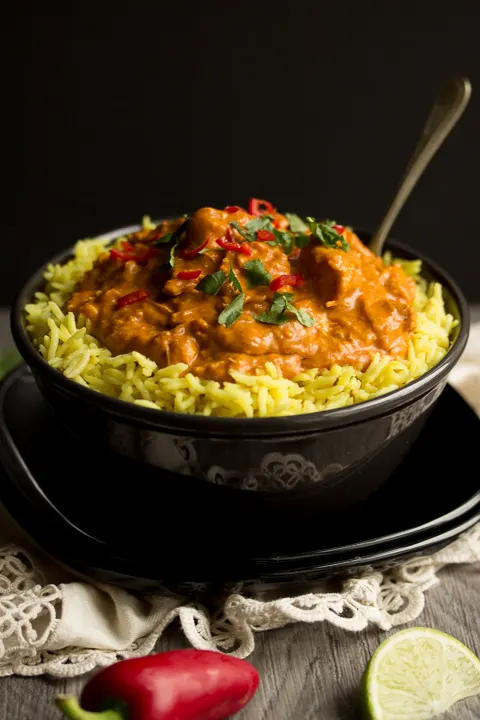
(326, 234)
(234, 280)
(302, 240)
(260, 223)
(211, 284)
(250, 229)
(285, 239)
(276, 314)
(256, 274)
(171, 258)
(232, 312)
(164, 239)
(271, 318)
(240, 229)
(175, 237)
(302, 316)
(281, 303)
(296, 223)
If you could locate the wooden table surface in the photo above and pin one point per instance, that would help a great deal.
(307, 671)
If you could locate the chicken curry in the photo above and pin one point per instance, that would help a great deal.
(233, 289)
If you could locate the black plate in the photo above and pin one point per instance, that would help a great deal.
(113, 520)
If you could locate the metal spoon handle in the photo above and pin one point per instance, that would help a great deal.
(447, 109)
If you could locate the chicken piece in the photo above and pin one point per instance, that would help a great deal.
(334, 275)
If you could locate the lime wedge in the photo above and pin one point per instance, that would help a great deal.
(417, 674)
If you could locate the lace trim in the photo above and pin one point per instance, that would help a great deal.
(30, 612)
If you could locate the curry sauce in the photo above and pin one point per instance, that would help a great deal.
(232, 290)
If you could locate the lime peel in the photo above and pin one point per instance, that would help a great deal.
(417, 674)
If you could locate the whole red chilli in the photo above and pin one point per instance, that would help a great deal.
(176, 685)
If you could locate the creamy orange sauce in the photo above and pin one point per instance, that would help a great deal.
(360, 307)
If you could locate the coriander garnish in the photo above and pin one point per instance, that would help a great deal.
(296, 223)
(276, 314)
(285, 239)
(211, 284)
(281, 304)
(256, 274)
(326, 233)
(171, 258)
(302, 316)
(233, 311)
(250, 229)
(164, 239)
(234, 280)
(169, 237)
(302, 240)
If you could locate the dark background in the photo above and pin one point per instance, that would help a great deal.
(113, 110)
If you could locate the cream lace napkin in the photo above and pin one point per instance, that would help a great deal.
(51, 622)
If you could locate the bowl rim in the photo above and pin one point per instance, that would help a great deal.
(185, 424)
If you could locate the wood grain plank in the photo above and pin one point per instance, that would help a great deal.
(30, 698)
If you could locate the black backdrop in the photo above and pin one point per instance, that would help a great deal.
(112, 110)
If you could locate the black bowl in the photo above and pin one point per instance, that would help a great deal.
(320, 462)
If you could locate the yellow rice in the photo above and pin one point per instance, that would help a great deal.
(67, 345)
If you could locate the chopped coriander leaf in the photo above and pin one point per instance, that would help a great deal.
(175, 235)
(232, 312)
(344, 244)
(326, 234)
(164, 239)
(260, 223)
(240, 229)
(271, 318)
(171, 259)
(302, 316)
(285, 240)
(296, 223)
(281, 303)
(256, 274)
(250, 229)
(302, 240)
(234, 280)
(280, 300)
(276, 314)
(211, 284)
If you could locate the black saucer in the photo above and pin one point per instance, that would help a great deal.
(114, 520)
